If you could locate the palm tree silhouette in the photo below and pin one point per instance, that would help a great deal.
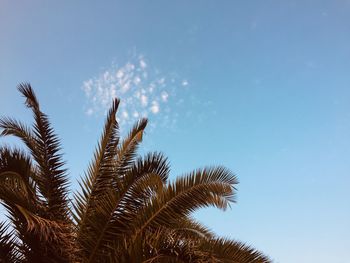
(127, 210)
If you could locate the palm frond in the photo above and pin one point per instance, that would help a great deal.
(8, 245)
(35, 186)
(190, 228)
(127, 152)
(52, 177)
(137, 184)
(202, 188)
(18, 129)
(229, 251)
(47, 230)
(110, 221)
(114, 209)
(102, 157)
(19, 197)
(164, 245)
(17, 171)
(96, 181)
(16, 185)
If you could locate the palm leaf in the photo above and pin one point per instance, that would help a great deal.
(202, 188)
(52, 178)
(106, 149)
(164, 245)
(117, 205)
(18, 129)
(8, 245)
(190, 228)
(228, 251)
(16, 171)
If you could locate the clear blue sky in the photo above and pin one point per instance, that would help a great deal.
(262, 87)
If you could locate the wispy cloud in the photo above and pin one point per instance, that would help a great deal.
(144, 92)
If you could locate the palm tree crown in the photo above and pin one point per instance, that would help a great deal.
(127, 210)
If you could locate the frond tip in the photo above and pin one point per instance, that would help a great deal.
(28, 93)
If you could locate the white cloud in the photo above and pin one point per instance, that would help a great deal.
(87, 86)
(140, 88)
(125, 86)
(143, 64)
(161, 81)
(125, 115)
(151, 87)
(120, 74)
(89, 111)
(164, 96)
(155, 107)
(137, 80)
(144, 100)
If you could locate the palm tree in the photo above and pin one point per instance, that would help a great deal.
(127, 210)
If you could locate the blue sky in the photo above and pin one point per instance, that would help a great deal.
(262, 87)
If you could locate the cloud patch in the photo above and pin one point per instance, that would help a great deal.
(144, 92)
